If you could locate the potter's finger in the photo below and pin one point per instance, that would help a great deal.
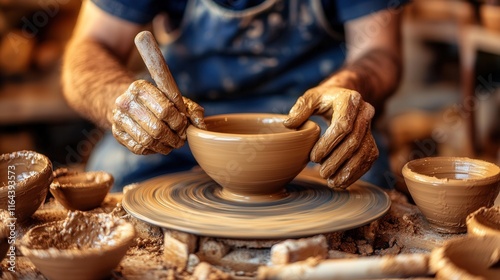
(125, 123)
(154, 127)
(127, 140)
(345, 109)
(357, 165)
(123, 138)
(156, 101)
(125, 99)
(305, 107)
(349, 145)
(160, 147)
(196, 113)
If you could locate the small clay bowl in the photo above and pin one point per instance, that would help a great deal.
(80, 190)
(252, 156)
(82, 246)
(484, 221)
(447, 189)
(31, 173)
(468, 258)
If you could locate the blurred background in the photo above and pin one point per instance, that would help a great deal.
(448, 102)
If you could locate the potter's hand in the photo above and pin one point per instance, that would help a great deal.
(347, 149)
(146, 121)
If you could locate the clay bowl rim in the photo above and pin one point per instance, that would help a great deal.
(307, 126)
(474, 223)
(409, 172)
(54, 253)
(441, 262)
(29, 181)
(87, 186)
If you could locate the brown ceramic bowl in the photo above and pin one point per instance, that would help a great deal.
(469, 257)
(33, 175)
(484, 221)
(80, 190)
(447, 189)
(252, 156)
(81, 247)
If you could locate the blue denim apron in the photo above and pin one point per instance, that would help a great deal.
(260, 59)
(277, 48)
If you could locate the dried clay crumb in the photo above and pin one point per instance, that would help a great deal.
(205, 271)
(78, 231)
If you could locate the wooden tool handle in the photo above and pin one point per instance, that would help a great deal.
(398, 266)
(155, 62)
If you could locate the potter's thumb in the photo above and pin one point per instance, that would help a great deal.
(297, 116)
(197, 120)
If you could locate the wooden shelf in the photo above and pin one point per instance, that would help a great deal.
(37, 100)
(472, 39)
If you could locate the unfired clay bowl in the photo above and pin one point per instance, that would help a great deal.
(80, 190)
(484, 221)
(467, 258)
(82, 246)
(32, 174)
(252, 156)
(447, 189)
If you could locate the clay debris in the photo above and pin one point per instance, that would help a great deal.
(292, 250)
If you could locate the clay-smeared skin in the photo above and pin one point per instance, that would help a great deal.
(348, 146)
(84, 81)
(357, 165)
(346, 149)
(146, 121)
(153, 119)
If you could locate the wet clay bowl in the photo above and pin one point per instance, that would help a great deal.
(252, 156)
(484, 221)
(468, 258)
(80, 190)
(82, 246)
(31, 174)
(447, 189)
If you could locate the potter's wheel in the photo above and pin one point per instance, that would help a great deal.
(191, 202)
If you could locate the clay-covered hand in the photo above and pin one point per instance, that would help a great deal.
(146, 121)
(346, 150)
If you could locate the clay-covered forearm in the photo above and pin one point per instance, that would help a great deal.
(92, 80)
(374, 75)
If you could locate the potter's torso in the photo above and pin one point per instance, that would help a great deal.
(275, 47)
